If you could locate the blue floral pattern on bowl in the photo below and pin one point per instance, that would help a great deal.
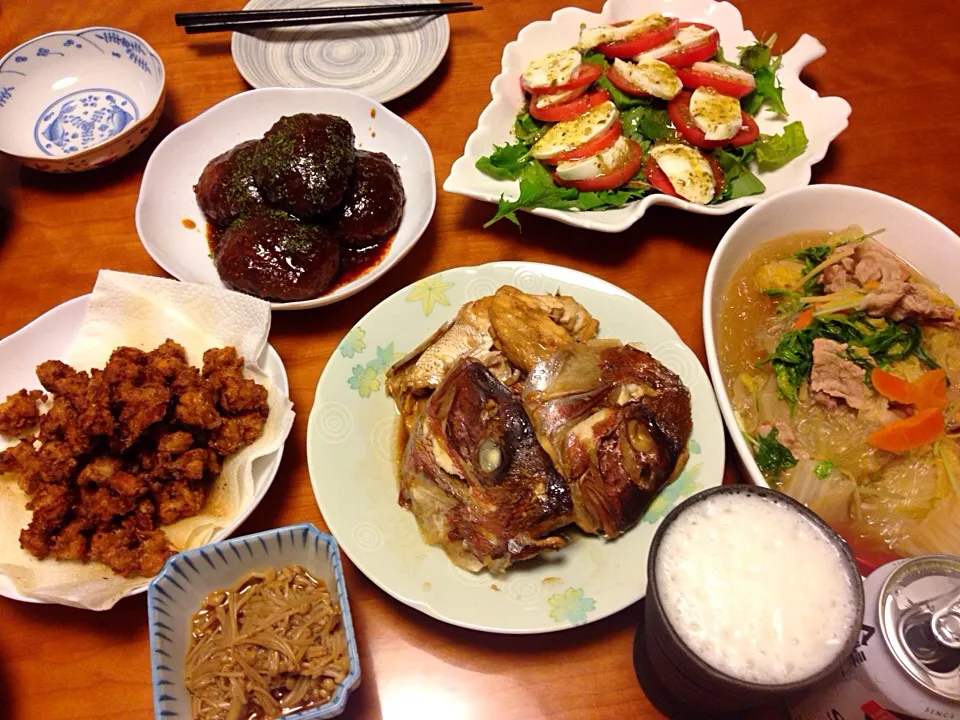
(83, 119)
(54, 71)
(177, 592)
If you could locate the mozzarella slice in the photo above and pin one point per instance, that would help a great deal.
(718, 116)
(546, 100)
(688, 170)
(686, 38)
(591, 37)
(603, 163)
(571, 134)
(723, 70)
(556, 68)
(651, 76)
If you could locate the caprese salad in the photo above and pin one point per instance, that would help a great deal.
(640, 106)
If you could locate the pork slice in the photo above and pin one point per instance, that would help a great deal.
(835, 375)
(900, 301)
(877, 264)
(837, 277)
(786, 437)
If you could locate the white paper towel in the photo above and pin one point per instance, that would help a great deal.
(142, 312)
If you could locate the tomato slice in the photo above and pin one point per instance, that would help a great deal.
(705, 76)
(569, 110)
(624, 85)
(615, 178)
(695, 53)
(639, 43)
(658, 178)
(600, 143)
(679, 111)
(587, 74)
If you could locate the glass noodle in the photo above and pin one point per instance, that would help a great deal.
(270, 645)
(894, 504)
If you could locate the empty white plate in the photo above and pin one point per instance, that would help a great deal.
(383, 59)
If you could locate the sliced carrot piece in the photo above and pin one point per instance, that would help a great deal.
(871, 285)
(892, 387)
(916, 431)
(930, 390)
(803, 319)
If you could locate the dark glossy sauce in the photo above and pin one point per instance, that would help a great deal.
(353, 263)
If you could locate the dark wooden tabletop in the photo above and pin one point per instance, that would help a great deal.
(897, 64)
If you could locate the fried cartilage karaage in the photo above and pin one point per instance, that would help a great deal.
(19, 412)
(125, 450)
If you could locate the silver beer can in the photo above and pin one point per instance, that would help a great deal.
(906, 664)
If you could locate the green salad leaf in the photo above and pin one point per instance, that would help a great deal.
(777, 150)
(757, 56)
(645, 124)
(527, 129)
(772, 455)
(537, 189)
(620, 99)
(597, 58)
(506, 162)
(740, 180)
(760, 60)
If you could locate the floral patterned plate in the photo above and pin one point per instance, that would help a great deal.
(351, 455)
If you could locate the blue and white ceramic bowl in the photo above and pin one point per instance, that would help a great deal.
(177, 592)
(78, 99)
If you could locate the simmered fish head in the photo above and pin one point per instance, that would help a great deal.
(616, 423)
(477, 479)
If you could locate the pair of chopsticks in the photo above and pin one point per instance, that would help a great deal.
(240, 20)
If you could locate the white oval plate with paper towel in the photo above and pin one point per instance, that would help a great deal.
(51, 337)
(824, 118)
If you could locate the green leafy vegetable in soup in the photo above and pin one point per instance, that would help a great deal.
(804, 325)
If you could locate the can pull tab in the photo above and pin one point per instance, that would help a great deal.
(945, 622)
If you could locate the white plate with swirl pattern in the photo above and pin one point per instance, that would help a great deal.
(352, 458)
(824, 118)
(382, 59)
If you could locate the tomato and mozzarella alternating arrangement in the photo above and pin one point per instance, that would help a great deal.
(640, 104)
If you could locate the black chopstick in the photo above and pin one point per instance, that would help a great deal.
(244, 25)
(290, 13)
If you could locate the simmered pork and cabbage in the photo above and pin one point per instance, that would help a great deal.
(843, 366)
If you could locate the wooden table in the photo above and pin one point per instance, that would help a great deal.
(899, 68)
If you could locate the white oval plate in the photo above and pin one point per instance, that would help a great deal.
(383, 59)
(166, 193)
(350, 453)
(823, 118)
(50, 337)
(923, 241)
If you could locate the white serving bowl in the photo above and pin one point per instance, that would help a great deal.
(177, 592)
(166, 193)
(924, 242)
(78, 99)
(824, 118)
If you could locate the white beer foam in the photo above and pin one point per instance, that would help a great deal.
(755, 589)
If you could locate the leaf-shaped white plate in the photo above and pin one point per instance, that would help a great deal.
(823, 118)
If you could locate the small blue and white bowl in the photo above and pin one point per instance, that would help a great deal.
(78, 99)
(177, 592)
